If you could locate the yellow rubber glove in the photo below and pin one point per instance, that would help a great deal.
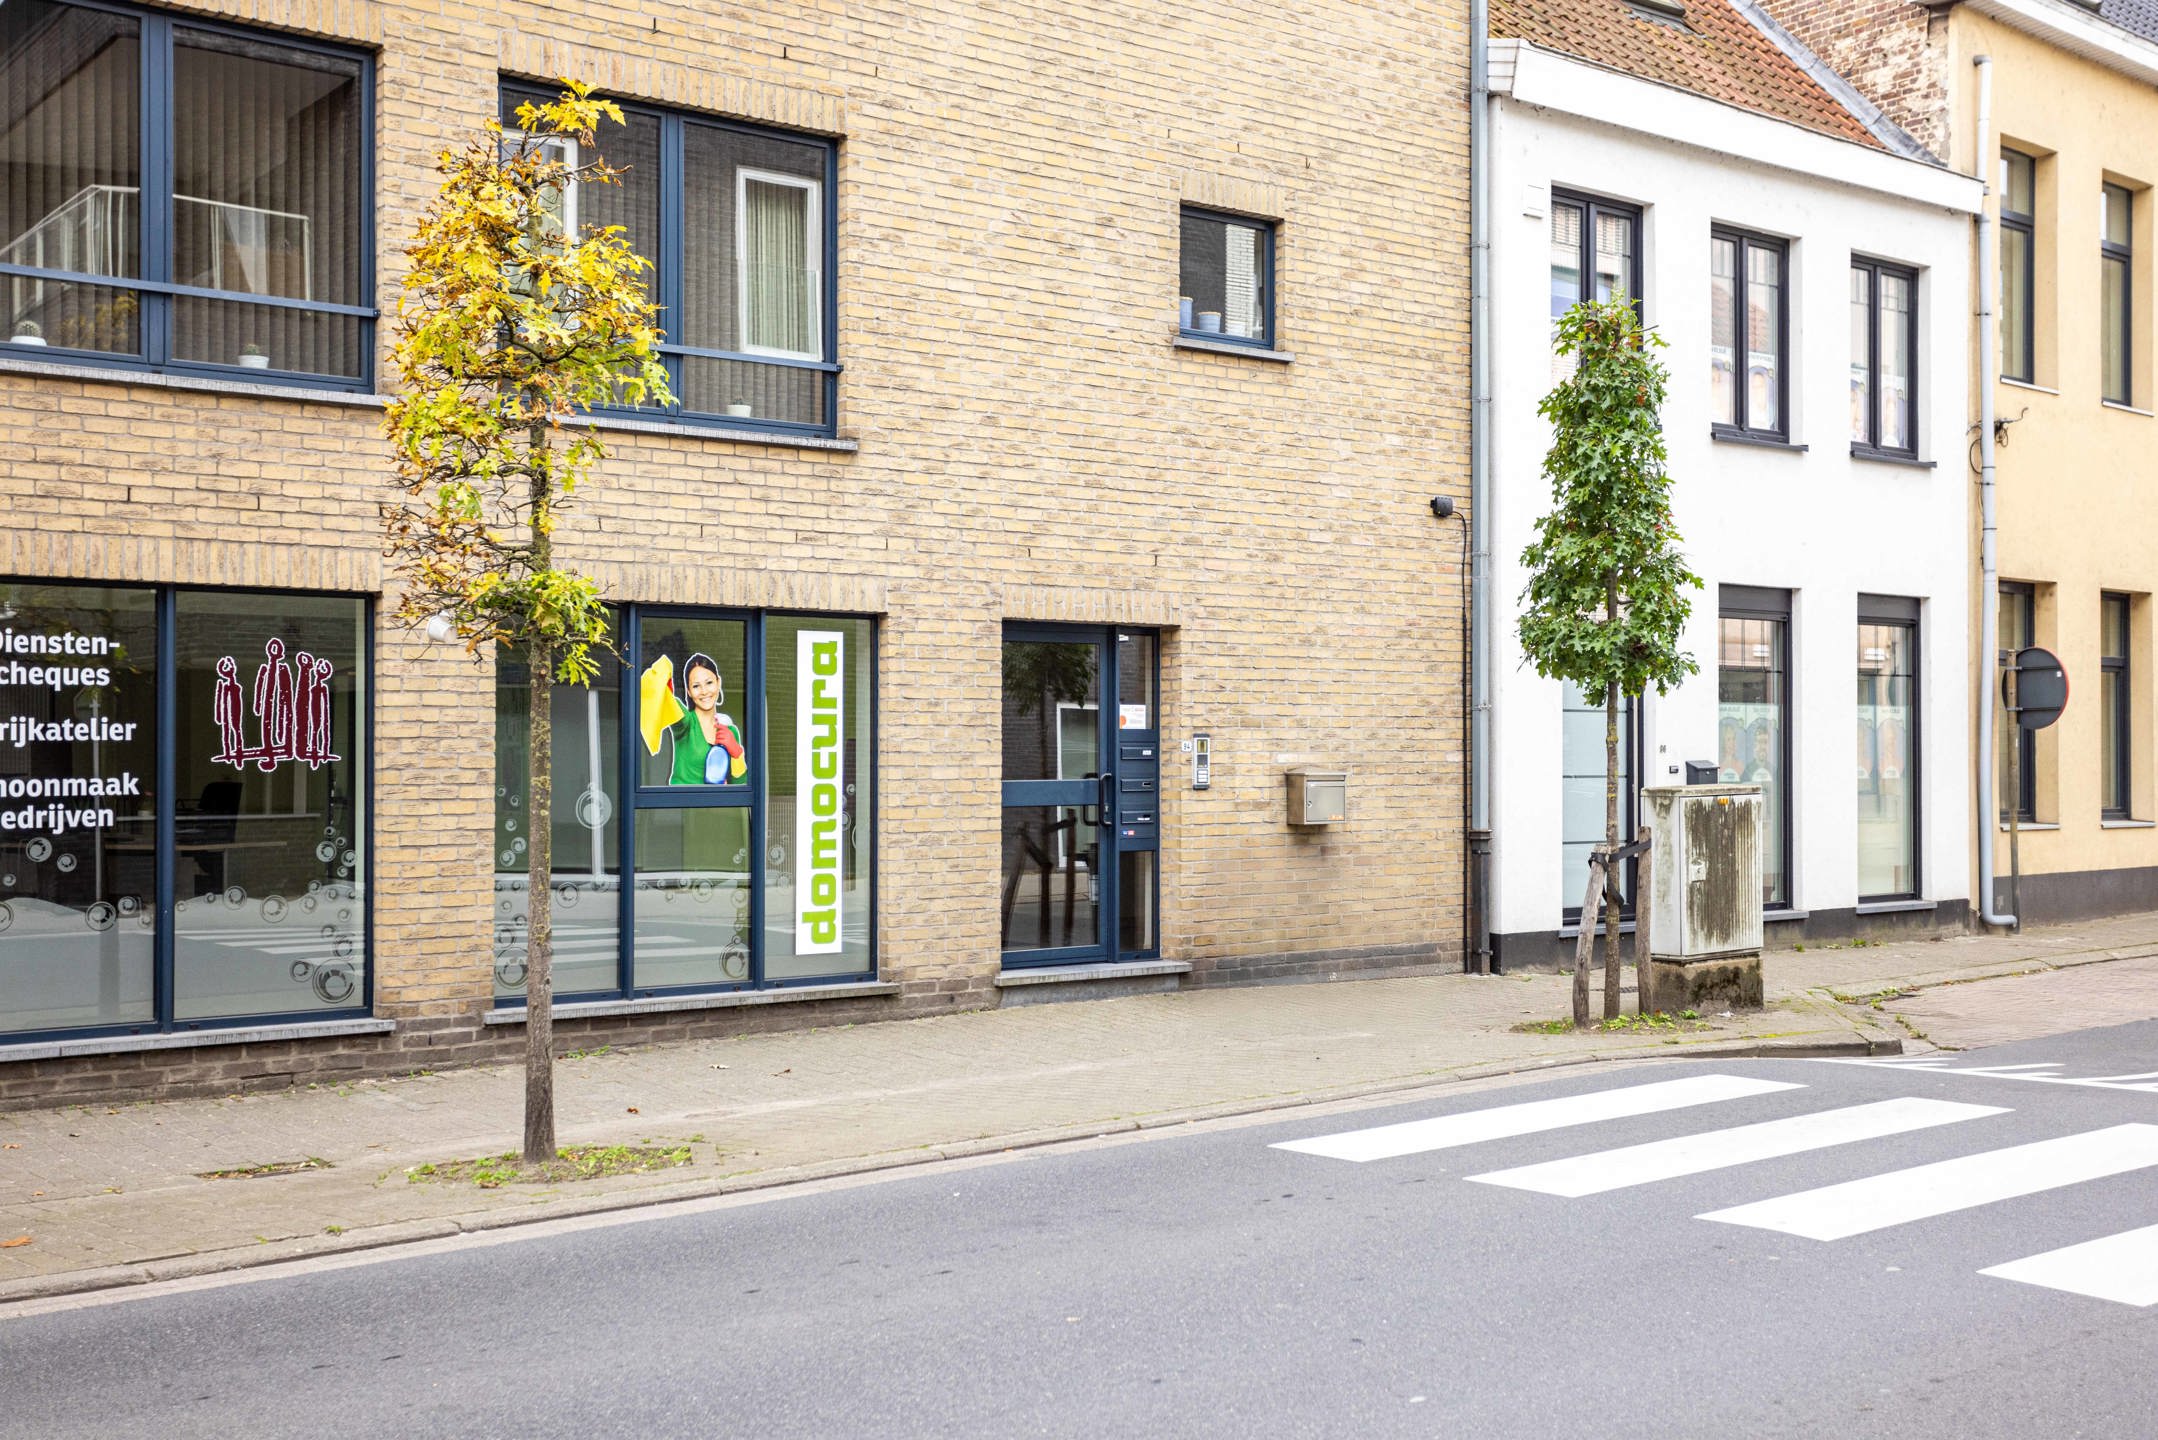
(657, 709)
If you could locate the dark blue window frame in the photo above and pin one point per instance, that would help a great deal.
(668, 266)
(154, 286)
(752, 796)
(1266, 231)
(163, 949)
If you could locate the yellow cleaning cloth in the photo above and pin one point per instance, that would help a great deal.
(656, 706)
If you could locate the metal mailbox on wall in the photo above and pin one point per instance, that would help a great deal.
(1318, 797)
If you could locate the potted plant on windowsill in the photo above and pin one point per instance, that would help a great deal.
(740, 409)
(254, 357)
(28, 332)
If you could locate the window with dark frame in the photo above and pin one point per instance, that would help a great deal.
(1753, 718)
(185, 196)
(1581, 800)
(1595, 238)
(2115, 706)
(1749, 311)
(1225, 278)
(2018, 623)
(2019, 268)
(738, 221)
(1889, 735)
(2116, 208)
(728, 770)
(1884, 363)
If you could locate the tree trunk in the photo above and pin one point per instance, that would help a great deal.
(539, 1147)
(1614, 873)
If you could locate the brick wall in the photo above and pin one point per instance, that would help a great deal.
(1894, 52)
(1029, 446)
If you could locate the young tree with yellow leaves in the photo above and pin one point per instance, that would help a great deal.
(508, 326)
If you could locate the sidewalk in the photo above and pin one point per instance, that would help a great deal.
(115, 1195)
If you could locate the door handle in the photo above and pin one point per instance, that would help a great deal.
(1106, 799)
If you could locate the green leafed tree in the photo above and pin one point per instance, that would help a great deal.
(1606, 598)
(508, 327)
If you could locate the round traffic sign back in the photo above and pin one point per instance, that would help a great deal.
(2041, 689)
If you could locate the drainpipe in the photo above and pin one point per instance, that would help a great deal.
(1989, 574)
(1479, 837)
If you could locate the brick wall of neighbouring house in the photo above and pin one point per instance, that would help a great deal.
(1894, 52)
(1030, 446)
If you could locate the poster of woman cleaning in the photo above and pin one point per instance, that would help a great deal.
(681, 704)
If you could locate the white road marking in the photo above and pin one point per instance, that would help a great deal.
(2142, 1083)
(2121, 1267)
(1901, 1196)
(1414, 1137)
(1740, 1145)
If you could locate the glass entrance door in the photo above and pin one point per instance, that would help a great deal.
(1082, 771)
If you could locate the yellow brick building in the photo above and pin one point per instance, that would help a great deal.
(981, 404)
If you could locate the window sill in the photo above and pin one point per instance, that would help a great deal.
(155, 379)
(1572, 931)
(2127, 409)
(1079, 974)
(627, 425)
(1230, 347)
(1889, 457)
(1784, 916)
(673, 1004)
(2030, 385)
(193, 1039)
(1765, 442)
(1895, 907)
(2127, 824)
(2027, 826)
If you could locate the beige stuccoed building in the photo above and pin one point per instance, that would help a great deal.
(1063, 392)
(2066, 150)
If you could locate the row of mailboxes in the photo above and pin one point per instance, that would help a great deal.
(1138, 795)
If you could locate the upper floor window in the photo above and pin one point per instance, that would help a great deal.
(2116, 213)
(1747, 317)
(2019, 266)
(1884, 340)
(738, 223)
(1226, 278)
(184, 197)
(1595, 251)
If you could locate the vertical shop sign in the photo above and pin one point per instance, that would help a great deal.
(819, 707)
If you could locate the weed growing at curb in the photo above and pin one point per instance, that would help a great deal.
(571, 1162)
(274, 1167)
(1656, 1021)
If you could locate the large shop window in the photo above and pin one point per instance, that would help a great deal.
(740, 228)
(1753, 718)
(731, 778)
(184, 197)
(183, 808)
(1888, 748)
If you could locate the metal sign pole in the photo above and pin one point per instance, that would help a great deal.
(2015, 793)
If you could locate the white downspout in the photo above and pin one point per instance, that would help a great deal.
(1480, 618)
(1989, 576)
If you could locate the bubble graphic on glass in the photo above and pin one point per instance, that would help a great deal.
(507, 857)
(273, 909)
(235, 897)
(329, 932)
(518, 847)
(566, 897)
(344, 949)
(740, 856)
(325, 852)
(300, 970)
(8, 880)
(312, 887)
(100, 916)
(516, 801)
(334, 984)
(778, 854)
(510, 826)
(350, 858)
(129, 904)
(594, 809)
(39, 850)
(7, 914)
(65, 864)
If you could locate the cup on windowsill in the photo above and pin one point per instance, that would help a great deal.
(740, 409)
(1209, 322)
(1183, 312)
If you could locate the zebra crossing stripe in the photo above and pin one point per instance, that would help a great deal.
(1742, 1145)
(1414, 1137)
(1901, 1196)
(2121, 1267)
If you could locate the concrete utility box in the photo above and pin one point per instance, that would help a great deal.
(1705, 894)
(1318, 797)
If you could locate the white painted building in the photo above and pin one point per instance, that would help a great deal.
(1820, 467)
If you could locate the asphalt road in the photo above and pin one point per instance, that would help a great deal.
(1208, 1283)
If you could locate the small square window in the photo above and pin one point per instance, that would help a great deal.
(1226, 278)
